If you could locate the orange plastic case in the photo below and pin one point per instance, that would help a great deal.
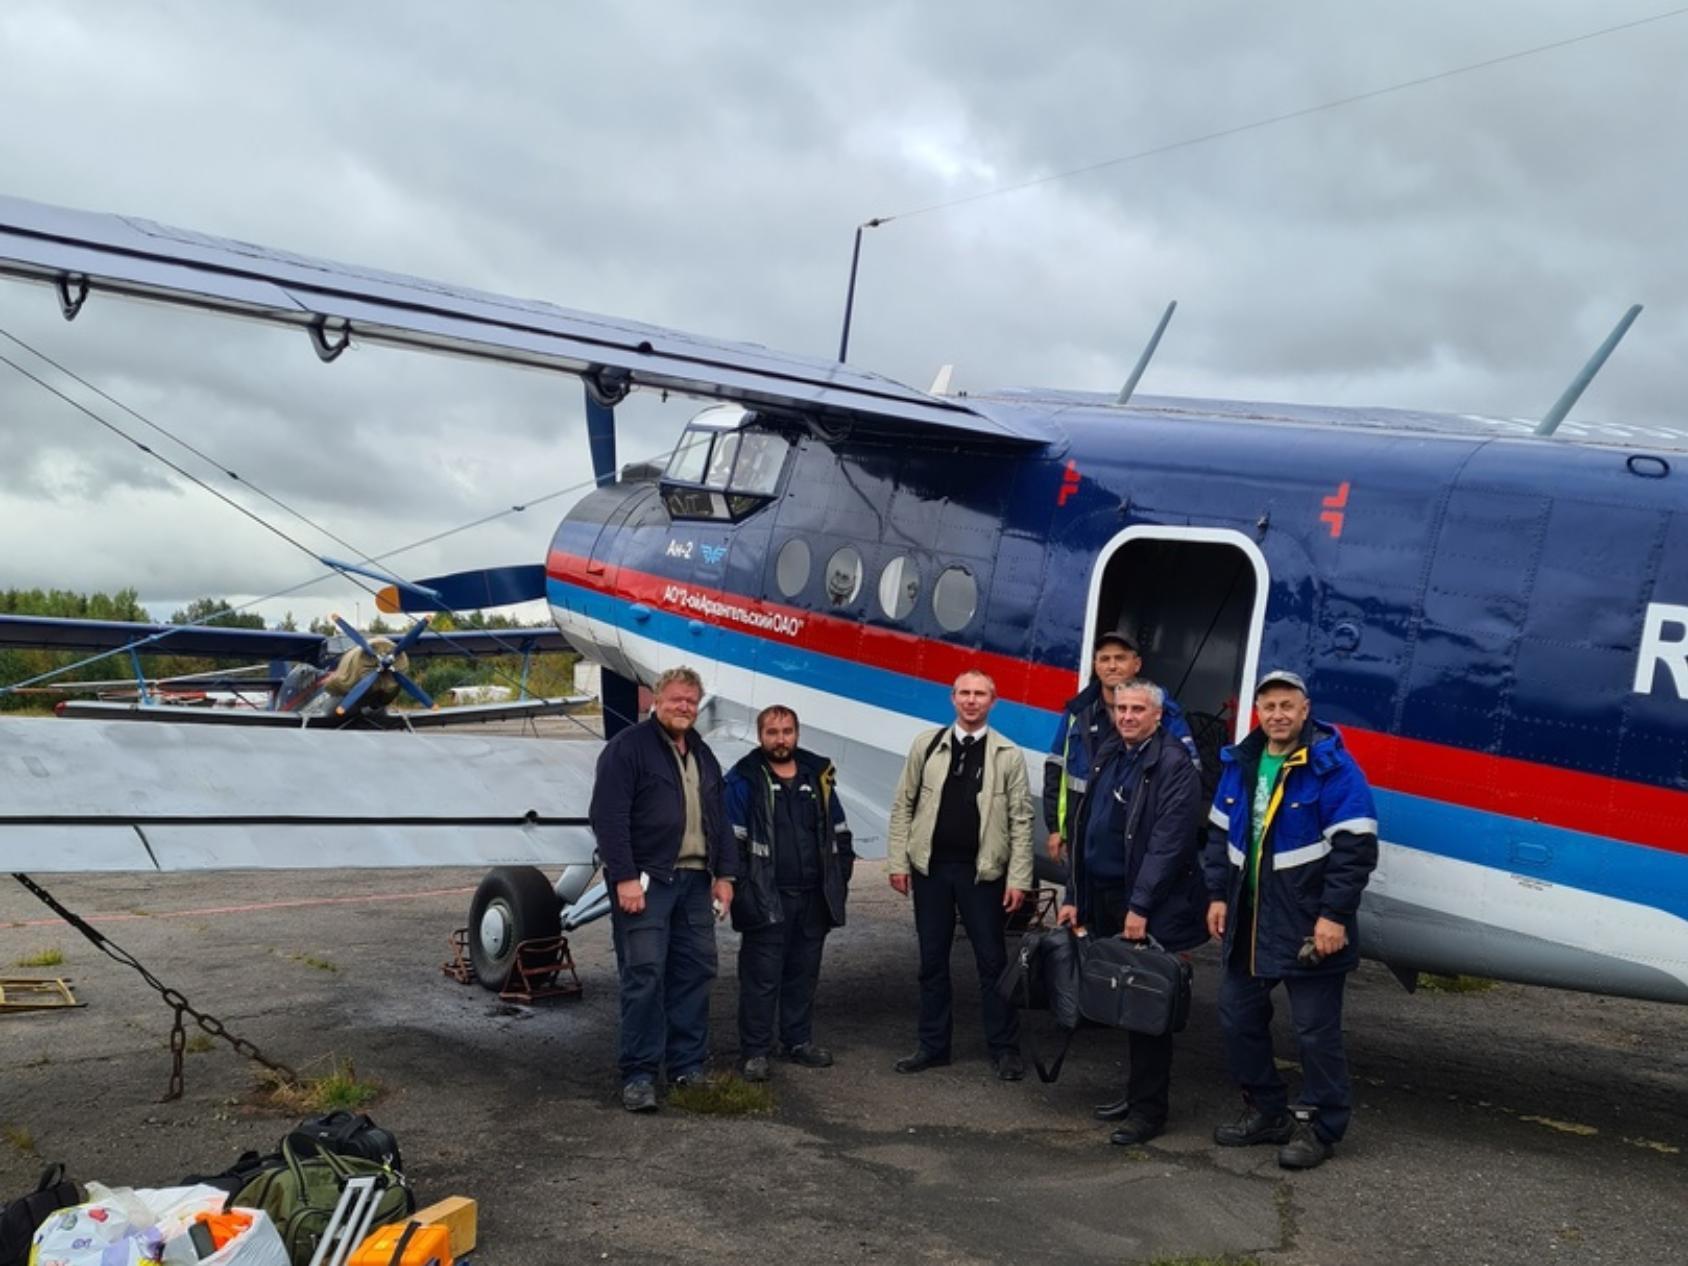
(428, 1244)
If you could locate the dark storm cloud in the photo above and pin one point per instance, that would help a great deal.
(1462, 245)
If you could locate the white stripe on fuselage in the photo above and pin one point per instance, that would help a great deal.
(1588, 922)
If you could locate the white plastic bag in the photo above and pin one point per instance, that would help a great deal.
(123, 1226)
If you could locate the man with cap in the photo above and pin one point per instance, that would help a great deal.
(1292, 842)
(1086, 723)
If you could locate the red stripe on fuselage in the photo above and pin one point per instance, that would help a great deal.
(1038, 685)
(1595, 804)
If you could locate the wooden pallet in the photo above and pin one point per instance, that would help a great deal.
(20, 993)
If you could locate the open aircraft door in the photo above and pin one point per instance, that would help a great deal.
(1194, 601)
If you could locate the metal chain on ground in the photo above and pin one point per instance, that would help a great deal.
(174, 998)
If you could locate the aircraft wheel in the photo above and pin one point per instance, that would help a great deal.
(513, 904)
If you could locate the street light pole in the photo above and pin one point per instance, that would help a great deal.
(850, 292)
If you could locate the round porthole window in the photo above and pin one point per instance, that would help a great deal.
(954, 599)
(899, 586)
(843, 576)
(791, 570)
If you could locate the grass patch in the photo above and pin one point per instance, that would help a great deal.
(1432, 983)
(21, 1137)
(313, 962)
(339, 1087)
(51, 957)
(199, 1043)
(724, 1095)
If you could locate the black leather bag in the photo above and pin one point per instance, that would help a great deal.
(1134, 985)
(20, 1219)
(1043, 976)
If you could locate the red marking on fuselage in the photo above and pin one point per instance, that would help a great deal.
(1069, 483)
(1332, 516)
(1038, 685)
(1595, 804)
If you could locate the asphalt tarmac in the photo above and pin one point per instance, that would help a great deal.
(1513, 1125)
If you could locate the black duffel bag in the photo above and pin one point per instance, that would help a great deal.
(1043, 976)
(1135, 985)
(20, 1219)
(349, 1134)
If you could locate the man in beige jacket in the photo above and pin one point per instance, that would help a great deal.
(961, 840)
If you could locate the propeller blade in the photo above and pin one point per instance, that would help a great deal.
(356, 693)
(413, 690)
(410, 635)
(600, 438)
(357, 639)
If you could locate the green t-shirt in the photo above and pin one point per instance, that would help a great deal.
(1263, 784)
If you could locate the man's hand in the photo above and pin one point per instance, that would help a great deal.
(1216, 920)
(1329, 936)
(1054, 847)
(900, 884)
(1136, 926)
(630, 896)
(1012, 899)
(722, 891)
(1066, 917)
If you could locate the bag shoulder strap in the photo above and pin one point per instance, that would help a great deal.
(1047, 1073)
(920, 783)
(51, 1177)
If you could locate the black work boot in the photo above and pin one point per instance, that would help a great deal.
(1305, 1149)
(1253, 1127)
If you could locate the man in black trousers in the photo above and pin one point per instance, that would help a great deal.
(1136, 873)
(794, 846)
(960, 841)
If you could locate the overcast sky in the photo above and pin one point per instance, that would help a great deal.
(1461, 245)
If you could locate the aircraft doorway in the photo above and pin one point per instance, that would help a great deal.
(1194, 601)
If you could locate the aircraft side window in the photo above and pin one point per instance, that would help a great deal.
(791, 570)
(955, 599)
(899, 586)
(843, 576)
(721, 461)
(690, 457)
(761, 457)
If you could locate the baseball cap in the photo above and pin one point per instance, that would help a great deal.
(1114, 635)
(1280, 677)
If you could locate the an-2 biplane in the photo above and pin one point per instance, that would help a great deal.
(1497, 622)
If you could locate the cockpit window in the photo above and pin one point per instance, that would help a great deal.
(690, 456)
(721, 460)
(761, 457)
(737, 461)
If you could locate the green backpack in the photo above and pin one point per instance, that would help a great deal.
(300, 1193)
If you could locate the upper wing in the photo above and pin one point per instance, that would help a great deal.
(199, 640)
(104, 795)
(82, 251)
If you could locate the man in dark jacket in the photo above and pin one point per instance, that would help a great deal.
(662, 836)
(1135, 874)
(1293, 840)
(1086, 724)
(797, 861)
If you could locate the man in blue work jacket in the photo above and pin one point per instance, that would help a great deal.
(1086, 724)
(1292, 841)
(668, 855)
